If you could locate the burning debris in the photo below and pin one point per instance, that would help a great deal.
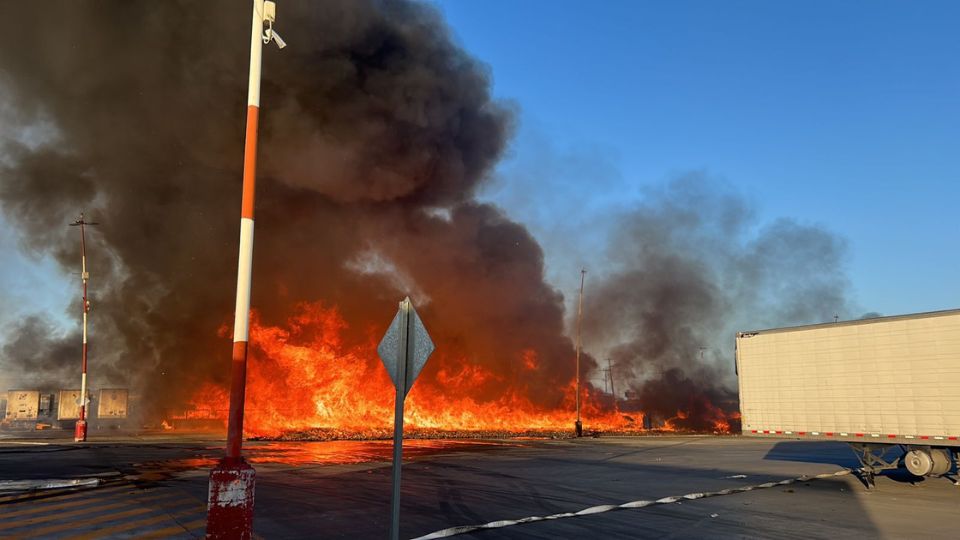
(381, 132)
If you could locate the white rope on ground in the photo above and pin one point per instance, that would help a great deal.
(32, 485)
(453, 531)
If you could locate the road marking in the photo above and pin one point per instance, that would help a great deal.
(48, 506)
(186, 527)
(123, 527)
(117, 508)
(453, 531)
(93, 521)
(95, 509)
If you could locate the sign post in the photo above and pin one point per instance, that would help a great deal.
(404, 350)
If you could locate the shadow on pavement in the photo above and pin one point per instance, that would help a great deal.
(838, 453)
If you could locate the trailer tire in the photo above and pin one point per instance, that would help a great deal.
(918, 461)
(941, 461)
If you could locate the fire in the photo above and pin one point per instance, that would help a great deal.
(303, 376)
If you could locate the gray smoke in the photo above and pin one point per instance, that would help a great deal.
(690, 267)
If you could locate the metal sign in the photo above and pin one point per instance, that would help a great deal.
(404, 350)
(405, 347)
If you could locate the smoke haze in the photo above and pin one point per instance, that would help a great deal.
(688, 267)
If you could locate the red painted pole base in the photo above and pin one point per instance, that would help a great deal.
(230, 502)
(80, 431)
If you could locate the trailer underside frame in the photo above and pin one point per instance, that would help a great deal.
(875, 458)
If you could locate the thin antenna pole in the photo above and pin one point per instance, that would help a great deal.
(612, 390)
(578, 426)
(80, 431)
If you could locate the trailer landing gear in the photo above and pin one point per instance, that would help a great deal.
(873, 459)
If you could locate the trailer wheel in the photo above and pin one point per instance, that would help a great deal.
(918, 461)
(941, 461)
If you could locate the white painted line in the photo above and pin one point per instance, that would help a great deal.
(463, 529)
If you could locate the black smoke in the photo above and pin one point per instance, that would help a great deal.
(376, 131)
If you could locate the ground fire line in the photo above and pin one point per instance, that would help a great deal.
(306, 383)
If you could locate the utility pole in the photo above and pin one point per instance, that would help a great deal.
(578, 426)
(612, 390)
(80, 431)
(230, 497)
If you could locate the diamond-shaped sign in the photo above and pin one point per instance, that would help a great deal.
(405, 347)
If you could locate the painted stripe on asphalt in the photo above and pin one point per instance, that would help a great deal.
(143, 523)
(86, 522)
(56, 504)
(186, 527)
(453, 531)
(79, 512)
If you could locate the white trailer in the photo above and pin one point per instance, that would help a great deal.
(883, 385)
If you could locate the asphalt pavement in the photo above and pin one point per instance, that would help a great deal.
(156, 486)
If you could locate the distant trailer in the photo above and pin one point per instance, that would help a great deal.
(880, 385)
(68, 405)
(112, 403)
(22, 405)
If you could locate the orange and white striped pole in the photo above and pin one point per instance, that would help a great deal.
(241, 320)
(80, 430)
(230, 502)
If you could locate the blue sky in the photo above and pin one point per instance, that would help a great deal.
(844, 115)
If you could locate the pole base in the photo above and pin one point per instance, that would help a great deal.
(578, 427)
(230, 500)
(80, 431)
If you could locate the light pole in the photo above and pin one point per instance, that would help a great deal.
(578, 426)
(80, 431)
(230, 497)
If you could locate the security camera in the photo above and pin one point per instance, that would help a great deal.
(277, 39)
(270, 17)
(270, 35)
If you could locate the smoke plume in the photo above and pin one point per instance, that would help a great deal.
(376, 130)
(689, 268)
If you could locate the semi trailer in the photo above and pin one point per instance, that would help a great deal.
(888, 386)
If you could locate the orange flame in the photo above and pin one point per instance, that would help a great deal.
(303, 376)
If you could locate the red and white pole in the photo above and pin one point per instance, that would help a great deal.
(230, 502)
(80, 431)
